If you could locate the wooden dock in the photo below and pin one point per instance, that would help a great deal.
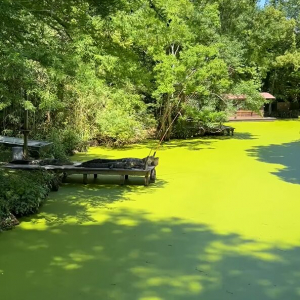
(149, 173)
(251, 119)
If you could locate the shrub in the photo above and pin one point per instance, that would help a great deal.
(8, 223)
(64, 143)
(22, 193)
(124, 119)
(7, 220)
(197, 123)
(118, 128)
(5, 154)
(4, 211)
(70, 140)
(57, 149)
(184, 129)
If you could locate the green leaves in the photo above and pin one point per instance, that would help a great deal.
(289, 60)
(87, 64)
(22, 193)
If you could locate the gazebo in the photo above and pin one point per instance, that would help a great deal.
(249, 114)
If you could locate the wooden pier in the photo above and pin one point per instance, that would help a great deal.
(149, 173)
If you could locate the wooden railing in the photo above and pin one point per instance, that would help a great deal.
(248, 114)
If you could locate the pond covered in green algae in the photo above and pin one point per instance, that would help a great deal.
(222, 222)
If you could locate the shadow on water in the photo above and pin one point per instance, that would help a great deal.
(198, 143)
(128, 255)
(236, 136)
(205, 142)
(286, 155)
(189, 144)
(111, 180)
(74, 199)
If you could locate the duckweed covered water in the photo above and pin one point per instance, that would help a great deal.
(222, 222)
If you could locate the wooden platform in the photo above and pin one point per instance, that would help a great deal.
(34, 147)
(13, 141)
(149, 174)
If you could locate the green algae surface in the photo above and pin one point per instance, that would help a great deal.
(221, 222)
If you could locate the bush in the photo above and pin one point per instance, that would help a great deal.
(57, 149)
(7, 220)
(124, 119)
(64, 143)
(184, 129)
(118, 128)
(5, 154)
(22, 193)
(197, 123)
(4, 211)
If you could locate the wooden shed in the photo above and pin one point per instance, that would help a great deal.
(249, 114)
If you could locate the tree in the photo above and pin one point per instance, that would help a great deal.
(77, 65)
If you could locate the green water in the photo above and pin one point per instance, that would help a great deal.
(222, 222)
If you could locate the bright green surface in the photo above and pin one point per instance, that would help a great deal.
(222, 222)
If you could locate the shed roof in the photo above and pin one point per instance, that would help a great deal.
(267, 96)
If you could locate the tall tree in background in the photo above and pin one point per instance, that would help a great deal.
(283, 78)
(111, 69)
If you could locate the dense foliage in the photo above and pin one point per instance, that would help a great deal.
(113, 71)
(21, 194)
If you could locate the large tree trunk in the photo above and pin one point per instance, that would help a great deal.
(48, 117)
(165, 121)
(169, 130)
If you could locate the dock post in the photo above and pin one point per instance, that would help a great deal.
(122, 179)
(84, 178)
(146, 180)
(64, 177)
(26, 133)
